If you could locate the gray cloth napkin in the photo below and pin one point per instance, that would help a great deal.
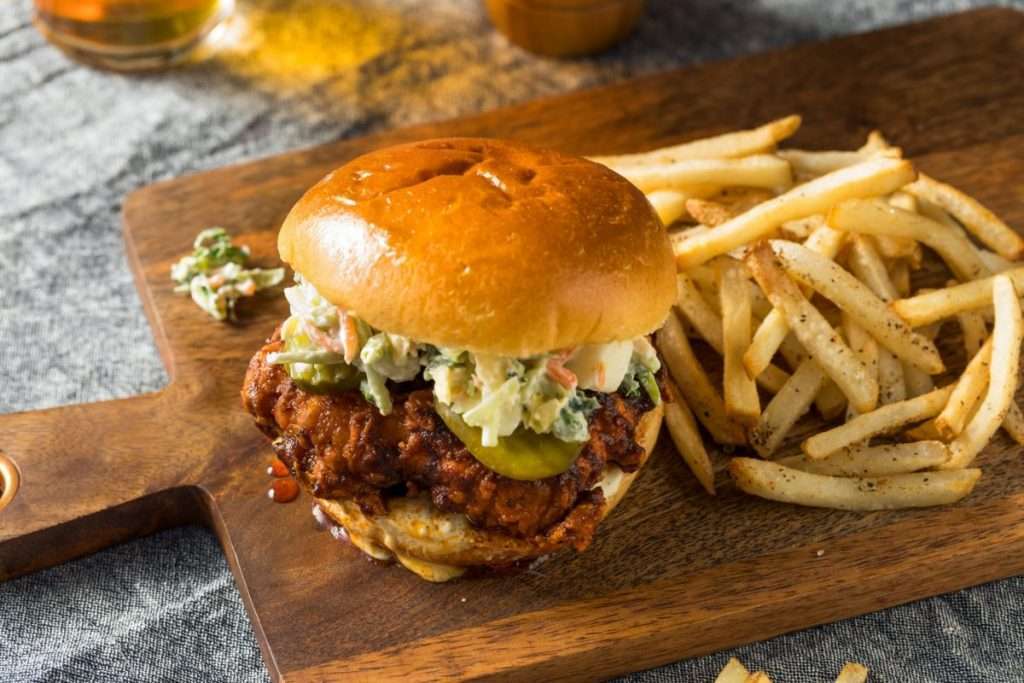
(74, 141)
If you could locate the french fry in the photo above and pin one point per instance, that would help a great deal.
(867, 179)
(968, 392)
(728, 146)
(867, 265)
(800, 229)
(830, 401)
(670, 205)
(916, 381)
(874, 461)
(708, 324)
(740, 391)
(877, 144)
(853, 297)
(758, 677)
(733, 672)
(981, 222)
(882, 420)
(940, 304)
(763, 170)
(1007, 335)
(899, 274)
(817, 336)
(853, 672)
(683, 429)
(876, 217)
(925, 431)
(773, 329)
(694, 384)
(791, 402)
(994, 262)
(891, 385)
(707, 212)
(786, 485)
(972, 325)
(811, 164)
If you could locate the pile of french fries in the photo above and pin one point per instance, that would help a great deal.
(735, 672)
(799, 270)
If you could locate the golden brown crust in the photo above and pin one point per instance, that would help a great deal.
(439, 546)
(484, 244)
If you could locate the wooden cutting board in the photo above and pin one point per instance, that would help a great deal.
(673, 573)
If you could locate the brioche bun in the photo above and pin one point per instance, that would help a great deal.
(485, 245)
(439, 546)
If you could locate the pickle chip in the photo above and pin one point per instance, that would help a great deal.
(524, 455)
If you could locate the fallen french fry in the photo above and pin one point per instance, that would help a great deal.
(853, 673)
(733, 672)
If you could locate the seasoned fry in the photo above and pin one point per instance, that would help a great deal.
(867, 179)
(788, 406)
(968, 392)
(1007, 335)
(866, 264)
(801, 228)
(944, 303)
(734, 672)
(882, 420)
(763, 170)
(899, 274)
(683, 429)
(669, 205)
(972, 325)
(694, 384)
(877, 144)
(874, 461)
(707, 212)
(741, 399)
(773, 329)
(708, 324)
(786, 485)
(728, 146)
(855, 298)
(853, 673)
(813, 331)
(981, 222)
(876, 217)
(811, 164)
(891, 385)
(925, 431)
(758, 677)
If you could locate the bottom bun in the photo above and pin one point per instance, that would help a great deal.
(440, 546)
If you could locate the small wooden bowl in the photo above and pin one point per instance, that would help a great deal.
(565, 28)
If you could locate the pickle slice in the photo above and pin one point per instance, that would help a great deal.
(524, 455)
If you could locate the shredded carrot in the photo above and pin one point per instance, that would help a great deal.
(561, 374)
(350, 337)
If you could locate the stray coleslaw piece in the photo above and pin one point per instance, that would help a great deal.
(215, 276)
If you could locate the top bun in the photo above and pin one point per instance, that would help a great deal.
(485, 245)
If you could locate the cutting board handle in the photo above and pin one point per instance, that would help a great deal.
(80, 478)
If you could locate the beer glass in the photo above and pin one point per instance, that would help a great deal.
(128, 34)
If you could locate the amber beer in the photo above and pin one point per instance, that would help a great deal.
(128, 34)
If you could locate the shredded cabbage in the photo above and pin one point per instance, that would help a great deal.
(326, 347)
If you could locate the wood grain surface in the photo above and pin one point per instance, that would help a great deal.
(673, 573)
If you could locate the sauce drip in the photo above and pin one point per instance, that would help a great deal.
(278, 468)
(283, 491)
